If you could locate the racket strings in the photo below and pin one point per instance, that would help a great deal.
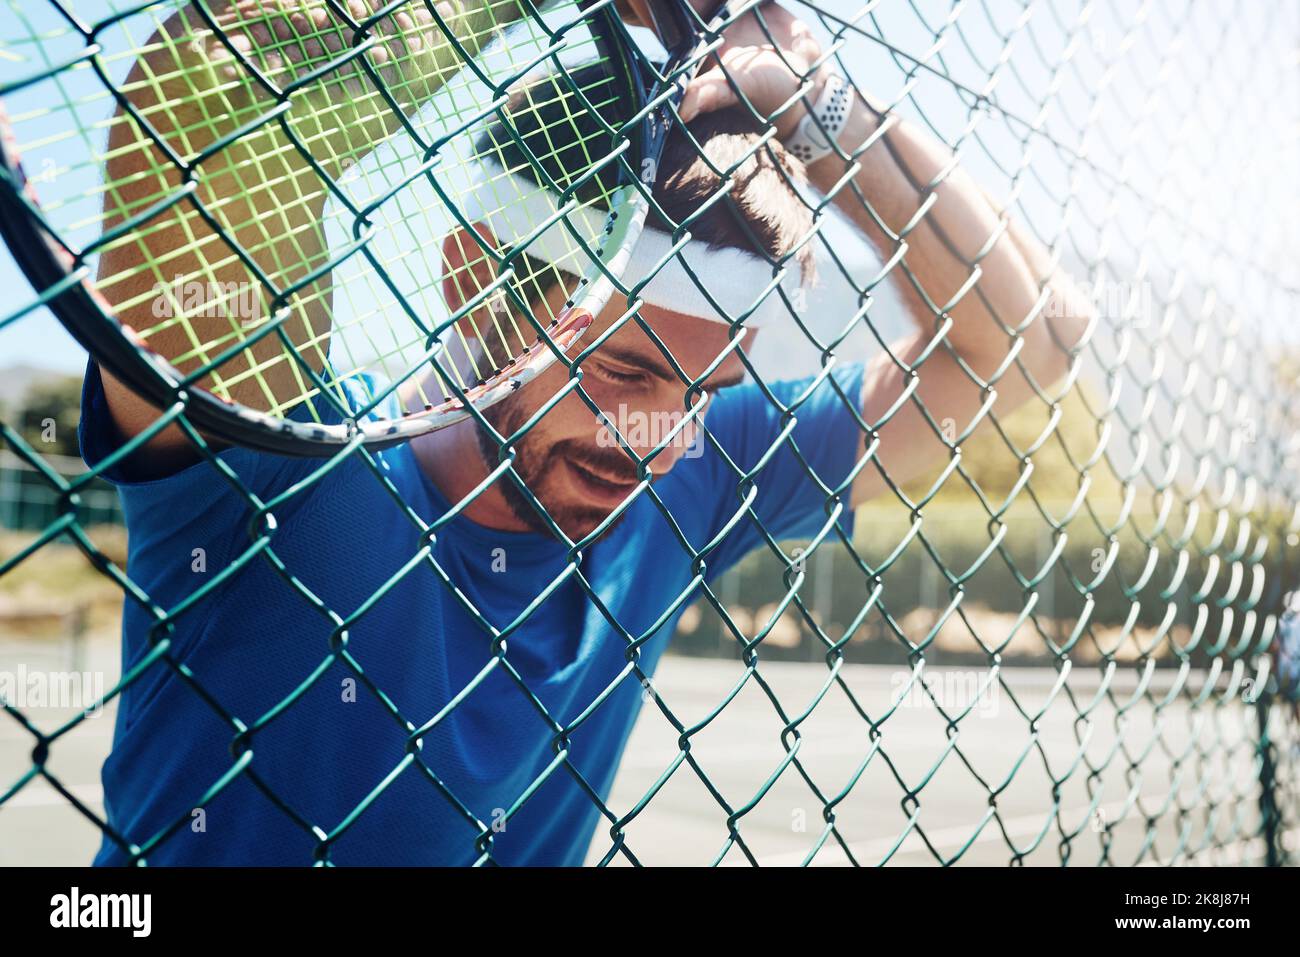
(501, 332)
(381, 311)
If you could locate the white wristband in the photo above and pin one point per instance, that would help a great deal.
(807, 142)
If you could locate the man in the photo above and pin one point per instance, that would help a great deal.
(421, 671)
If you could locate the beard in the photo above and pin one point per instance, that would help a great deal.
(538, 463)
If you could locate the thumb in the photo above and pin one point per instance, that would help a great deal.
(709, 91)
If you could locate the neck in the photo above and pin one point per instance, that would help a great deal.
(453, 461)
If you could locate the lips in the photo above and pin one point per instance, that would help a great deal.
(599, 484)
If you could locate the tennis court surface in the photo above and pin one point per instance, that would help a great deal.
(1183, 790)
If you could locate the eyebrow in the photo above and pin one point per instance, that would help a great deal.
(658, 367)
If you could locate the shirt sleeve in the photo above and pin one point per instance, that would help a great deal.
(791, 450)
(195, 507)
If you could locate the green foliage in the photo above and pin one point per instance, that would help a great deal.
(48, 413)
(994, 458)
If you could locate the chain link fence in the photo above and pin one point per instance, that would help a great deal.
(1059, 645)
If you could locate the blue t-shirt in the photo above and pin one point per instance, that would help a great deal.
(338, 746)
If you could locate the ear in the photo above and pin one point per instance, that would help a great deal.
(466, 268)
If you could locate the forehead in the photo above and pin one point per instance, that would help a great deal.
(694, 343)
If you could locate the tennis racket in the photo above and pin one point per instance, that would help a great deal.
(258, 209)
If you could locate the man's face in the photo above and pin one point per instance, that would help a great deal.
(575, 466)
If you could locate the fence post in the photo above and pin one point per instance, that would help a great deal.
(823, 597)
(77, 638)
(10, 495)
(1268, 808)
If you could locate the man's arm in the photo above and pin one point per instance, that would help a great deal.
(265, 196)
(1000, 299)
(942, 248)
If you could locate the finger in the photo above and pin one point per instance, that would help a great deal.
(707, 92)
(806, 48)
(801, 40)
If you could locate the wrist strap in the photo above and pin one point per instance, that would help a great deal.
(808, 143)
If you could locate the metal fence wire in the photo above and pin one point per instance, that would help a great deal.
(1111, 563)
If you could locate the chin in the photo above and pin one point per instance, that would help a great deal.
(576, 518)
(579, 518)
(579, 523)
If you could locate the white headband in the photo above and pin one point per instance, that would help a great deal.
(511, 206)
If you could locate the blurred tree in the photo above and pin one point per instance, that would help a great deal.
(48, 413)
(993, 458)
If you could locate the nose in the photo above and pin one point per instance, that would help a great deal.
(671, 441)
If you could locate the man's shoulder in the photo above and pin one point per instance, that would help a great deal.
(827, 393)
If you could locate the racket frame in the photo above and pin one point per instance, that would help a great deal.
(50, 264)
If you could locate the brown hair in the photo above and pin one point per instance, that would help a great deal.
(763, 212)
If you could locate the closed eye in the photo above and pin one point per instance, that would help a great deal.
(617, 376)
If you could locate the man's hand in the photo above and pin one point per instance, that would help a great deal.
(959, 233)
(768, 73)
